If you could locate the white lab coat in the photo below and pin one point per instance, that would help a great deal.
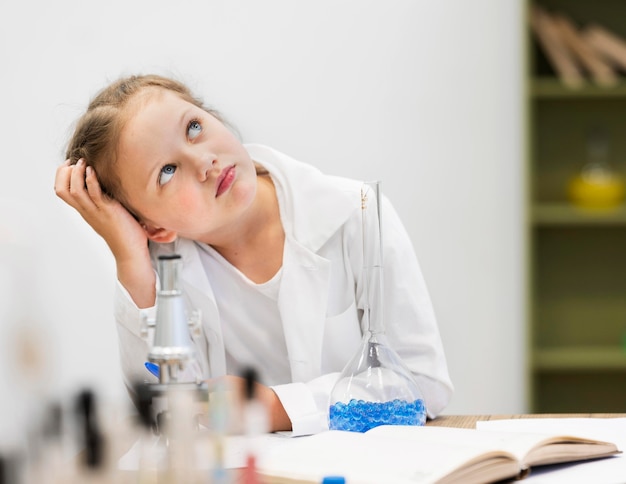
(320, 298)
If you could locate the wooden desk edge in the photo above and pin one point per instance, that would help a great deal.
(469, 421)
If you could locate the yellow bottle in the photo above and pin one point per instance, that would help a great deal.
(597, 186)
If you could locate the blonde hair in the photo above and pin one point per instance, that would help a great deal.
(97, 132)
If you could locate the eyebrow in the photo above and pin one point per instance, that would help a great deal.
(184, 116)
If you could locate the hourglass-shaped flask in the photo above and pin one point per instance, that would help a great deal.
(376, 387)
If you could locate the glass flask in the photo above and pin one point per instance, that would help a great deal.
(375, 387)
(598, 185)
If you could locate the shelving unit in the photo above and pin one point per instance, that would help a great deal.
(577, 273)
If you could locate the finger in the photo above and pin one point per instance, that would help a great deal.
(77, 187)
(77, 178)
(93, 185)
(62, 180)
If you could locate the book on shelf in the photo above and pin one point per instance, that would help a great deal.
(555, 48)
(412, 454)
(600, 70)
(609, 45)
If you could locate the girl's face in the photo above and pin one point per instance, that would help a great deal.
(182, 171)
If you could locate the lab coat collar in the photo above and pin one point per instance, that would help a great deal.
(313, 205)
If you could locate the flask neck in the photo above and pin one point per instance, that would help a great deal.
(372, 256)
(373, 311)
(598, 150)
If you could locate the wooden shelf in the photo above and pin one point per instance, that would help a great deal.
(552, 88)
(567, 214)
(580, 358)
(576, 257)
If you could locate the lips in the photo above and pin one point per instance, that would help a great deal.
(225, 180)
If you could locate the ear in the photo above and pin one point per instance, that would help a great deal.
(162, 236)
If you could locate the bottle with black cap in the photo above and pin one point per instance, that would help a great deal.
(93, 466)
(255, 423)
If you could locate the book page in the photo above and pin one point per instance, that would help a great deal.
(529, 448)
(612, 469)
(384, 457)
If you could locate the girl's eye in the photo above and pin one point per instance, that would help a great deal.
(167, 172)
(194, 128)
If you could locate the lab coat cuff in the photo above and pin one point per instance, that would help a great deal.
(127, 311)
(306, 419)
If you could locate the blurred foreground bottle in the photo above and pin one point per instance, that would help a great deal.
(597, 185)
(375, 388)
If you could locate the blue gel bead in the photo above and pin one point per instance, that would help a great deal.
(360, 416)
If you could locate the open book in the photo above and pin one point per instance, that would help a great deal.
(404, 454)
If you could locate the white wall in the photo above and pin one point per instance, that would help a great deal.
(424, 95)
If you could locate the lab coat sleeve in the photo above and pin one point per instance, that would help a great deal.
(133, 347)
(306, 404)
(410, 322)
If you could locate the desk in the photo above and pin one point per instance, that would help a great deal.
(469, 421)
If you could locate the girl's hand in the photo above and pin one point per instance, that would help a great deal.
(277, 417)
(78, 186)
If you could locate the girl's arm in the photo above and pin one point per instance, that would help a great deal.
(78, 186)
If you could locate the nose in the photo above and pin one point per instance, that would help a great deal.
(204, 164)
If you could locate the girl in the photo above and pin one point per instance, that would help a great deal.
(153, 172)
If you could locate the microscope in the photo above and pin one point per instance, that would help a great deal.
(172, 348)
